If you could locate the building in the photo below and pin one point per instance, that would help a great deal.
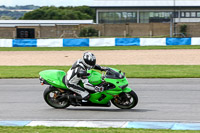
(146, 11)
(40, 28)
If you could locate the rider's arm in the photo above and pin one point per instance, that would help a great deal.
(91, 87)
(100, 68)
(87, 85)
(84, 78)
(83, 75)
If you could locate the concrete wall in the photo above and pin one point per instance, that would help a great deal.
(114, 29)
(7, 32)
(105, 30)
(160, 29)
(132, 29)
(67, 31)
(139, 29)
(193, 29)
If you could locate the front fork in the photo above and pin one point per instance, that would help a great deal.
(122, 96)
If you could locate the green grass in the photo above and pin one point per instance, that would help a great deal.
(132, 71)
(84, 130)
(97, 48)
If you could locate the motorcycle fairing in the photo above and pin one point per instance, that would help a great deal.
(54, 77)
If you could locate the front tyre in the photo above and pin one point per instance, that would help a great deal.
(126, 100)
(52, 95)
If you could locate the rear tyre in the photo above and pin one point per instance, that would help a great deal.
(126, 100)
(51, 96)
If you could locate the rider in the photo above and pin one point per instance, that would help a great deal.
(78, 72)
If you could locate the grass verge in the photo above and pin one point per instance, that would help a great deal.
(97, 48)
(83, 130)
(132, 71)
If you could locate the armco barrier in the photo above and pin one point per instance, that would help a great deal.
(178, 41)
(96, 42)
(49, 42)
(85, 42)
(24, 42)
(75, 42)
(127, 42)
(152, 41)
(195, 41)
(6, 42)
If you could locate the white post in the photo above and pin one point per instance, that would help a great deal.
(150, 33)
(171, 26)
(39, 34)
(124, 33)
(14, 34)
(97, 16)
(99, 33)
(138, 16)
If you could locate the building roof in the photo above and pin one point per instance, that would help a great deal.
(13, 23)
(145, 3)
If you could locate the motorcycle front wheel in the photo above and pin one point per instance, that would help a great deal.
(126, 100)
(51, 96)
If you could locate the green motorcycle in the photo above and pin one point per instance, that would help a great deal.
(114, 85)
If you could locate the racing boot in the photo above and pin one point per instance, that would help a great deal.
(76, 100)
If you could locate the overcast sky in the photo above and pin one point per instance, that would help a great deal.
(45, 2)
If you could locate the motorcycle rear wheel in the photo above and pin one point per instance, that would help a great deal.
(51, 96)
(128, 103)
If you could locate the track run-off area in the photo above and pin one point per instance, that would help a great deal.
(104, 57)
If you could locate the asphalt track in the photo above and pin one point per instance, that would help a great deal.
(169, 100)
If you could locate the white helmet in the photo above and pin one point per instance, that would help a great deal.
(89, 60)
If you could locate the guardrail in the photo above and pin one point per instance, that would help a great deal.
(96, 42)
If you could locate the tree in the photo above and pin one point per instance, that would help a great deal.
(88, 32)
(183, 29)
(33, 15)
(60, 13)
